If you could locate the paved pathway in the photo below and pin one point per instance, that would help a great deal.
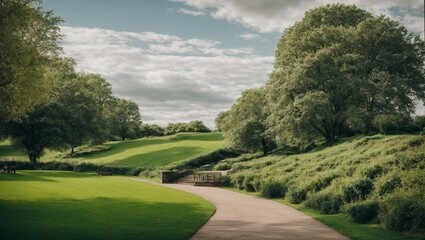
(240, 216)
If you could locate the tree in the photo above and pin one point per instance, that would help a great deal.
(147, 130)
(196, 126)
(245, 124)
(28, 41)
(45, 127)
(390, 69)
(338, 67)
(220, 120)
(123, 117)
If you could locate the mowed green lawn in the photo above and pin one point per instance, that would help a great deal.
(144, 152)
(68, 205)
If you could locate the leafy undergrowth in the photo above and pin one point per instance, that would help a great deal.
(377, 179)
(68, 205)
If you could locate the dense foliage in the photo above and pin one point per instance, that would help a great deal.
(376, 179)
(339, 71)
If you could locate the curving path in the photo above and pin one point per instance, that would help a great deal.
(240, 216)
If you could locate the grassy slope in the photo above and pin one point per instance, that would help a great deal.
(144, 152)
(49, 204)
(348, 161)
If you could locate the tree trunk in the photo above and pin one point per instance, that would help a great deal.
(33, 159)
(72, 151)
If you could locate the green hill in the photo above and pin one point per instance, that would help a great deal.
(144, 152)
(372, 179)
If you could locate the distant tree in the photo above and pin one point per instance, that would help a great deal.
(123, 118)
(147, 130)
(197, 126)
(193, 126)
(28, 41)
(245, 127)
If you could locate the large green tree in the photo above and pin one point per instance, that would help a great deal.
(244, 126)
(28, 41)
(47, 126)
(340, 67)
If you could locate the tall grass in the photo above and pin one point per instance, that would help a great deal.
(356, 174)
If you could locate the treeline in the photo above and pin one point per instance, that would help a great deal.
(78, 109)
(338, 72)
(147, 130)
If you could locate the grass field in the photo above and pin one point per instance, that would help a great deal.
(67, 205)
(144, 152)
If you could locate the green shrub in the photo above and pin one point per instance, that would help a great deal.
(402, 212)
(362, 212)
(322, 182)
(86, 167)
(238, 180)
(296, 195)
(357, 190)
(272, 189)
(326, 203)
(248, 183)
(387, 183)
(225, 181)
(372, 171)
(54, 165)
(223, 166)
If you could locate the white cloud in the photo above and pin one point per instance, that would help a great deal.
(276, 15)
(172, 79)
(190, 12)
(249, 36)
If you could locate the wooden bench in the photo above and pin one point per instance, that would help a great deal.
(9, 169)
(104, 173)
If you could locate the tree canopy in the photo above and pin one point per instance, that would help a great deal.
(336, 72)
(28, 41)
(244, 125)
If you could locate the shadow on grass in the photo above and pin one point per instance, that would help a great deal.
(119, 147)
(9, 151)
(43, 176)
(213, 137)
(99, 218)
(160, 157)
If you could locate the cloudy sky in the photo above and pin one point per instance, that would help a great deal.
(184, 60)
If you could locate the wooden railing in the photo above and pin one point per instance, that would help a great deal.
(207, 177)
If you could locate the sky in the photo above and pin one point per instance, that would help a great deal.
(184, 60)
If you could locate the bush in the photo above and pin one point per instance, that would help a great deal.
(20, 165)
(362, 212)
(322, 182)
(238, 180)
(271, 189)
(226, 181)
(402, 212)
(387, 184)
(326, 203)
(296, 195)
(372, 171)
(248, 183)
(357, 190)
(61, 166)
(223, 166)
